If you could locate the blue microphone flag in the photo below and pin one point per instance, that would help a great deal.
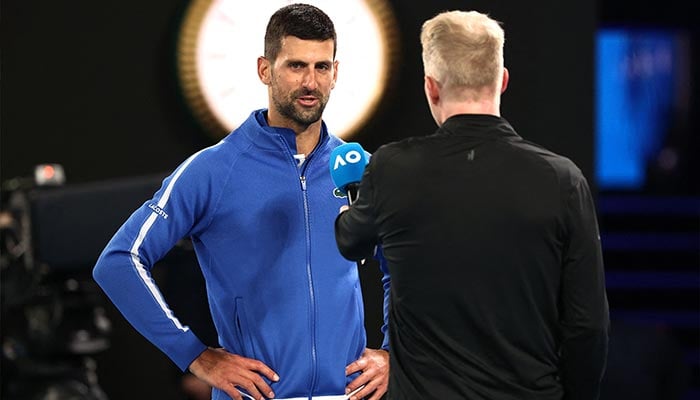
(347, 164)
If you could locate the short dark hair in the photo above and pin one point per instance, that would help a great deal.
(300, 20)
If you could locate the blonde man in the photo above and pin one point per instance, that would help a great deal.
(497, 281)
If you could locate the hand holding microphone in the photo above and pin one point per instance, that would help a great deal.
(347, 164)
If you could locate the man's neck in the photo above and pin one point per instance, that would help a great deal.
(448, 109)
(306, 136)
(308, 139)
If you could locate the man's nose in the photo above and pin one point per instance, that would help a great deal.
(309, 81)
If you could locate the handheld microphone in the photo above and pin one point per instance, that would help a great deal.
(347, 163)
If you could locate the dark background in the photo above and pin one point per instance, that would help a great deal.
(92, 86)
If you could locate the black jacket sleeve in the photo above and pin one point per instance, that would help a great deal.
(355, 229)
(584, 307)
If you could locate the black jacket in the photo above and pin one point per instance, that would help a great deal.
(497, 281)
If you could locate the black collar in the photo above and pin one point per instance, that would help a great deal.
(478, 125)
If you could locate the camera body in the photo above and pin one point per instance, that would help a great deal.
(53, 314)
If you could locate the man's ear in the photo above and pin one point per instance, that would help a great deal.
(506, 78)
(335, 74)
(432, 89)
(264, 68)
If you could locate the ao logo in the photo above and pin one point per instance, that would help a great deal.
(351, 157)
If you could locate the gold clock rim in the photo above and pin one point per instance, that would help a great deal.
(202, 110)
(187, 68)
(389, 33)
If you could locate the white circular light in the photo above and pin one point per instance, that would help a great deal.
(221, 40)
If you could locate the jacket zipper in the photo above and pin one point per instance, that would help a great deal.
(312, 294)
(309, 276)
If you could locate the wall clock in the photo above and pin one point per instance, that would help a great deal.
(220, 41)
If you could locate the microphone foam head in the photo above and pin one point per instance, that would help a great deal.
(347, 165)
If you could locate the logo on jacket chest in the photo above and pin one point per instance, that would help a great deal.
(338, 194)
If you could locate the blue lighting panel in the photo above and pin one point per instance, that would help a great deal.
(639, 84)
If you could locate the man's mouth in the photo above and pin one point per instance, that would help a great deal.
(307, 101)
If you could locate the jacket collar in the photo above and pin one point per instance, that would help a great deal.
(478, 125)
(267, 137)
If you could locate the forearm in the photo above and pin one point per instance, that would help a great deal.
(386, 286)
(355, 235)
(131, 288)
(582, 364)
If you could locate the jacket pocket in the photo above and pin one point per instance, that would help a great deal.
(243, 334)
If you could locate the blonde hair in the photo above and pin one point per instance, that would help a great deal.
(463, 49)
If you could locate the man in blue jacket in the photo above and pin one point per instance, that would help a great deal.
(259, 209)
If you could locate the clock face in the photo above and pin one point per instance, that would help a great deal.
(221, 40)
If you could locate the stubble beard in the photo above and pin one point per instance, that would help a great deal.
(287, 107)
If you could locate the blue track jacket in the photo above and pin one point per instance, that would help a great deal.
(262, 228)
